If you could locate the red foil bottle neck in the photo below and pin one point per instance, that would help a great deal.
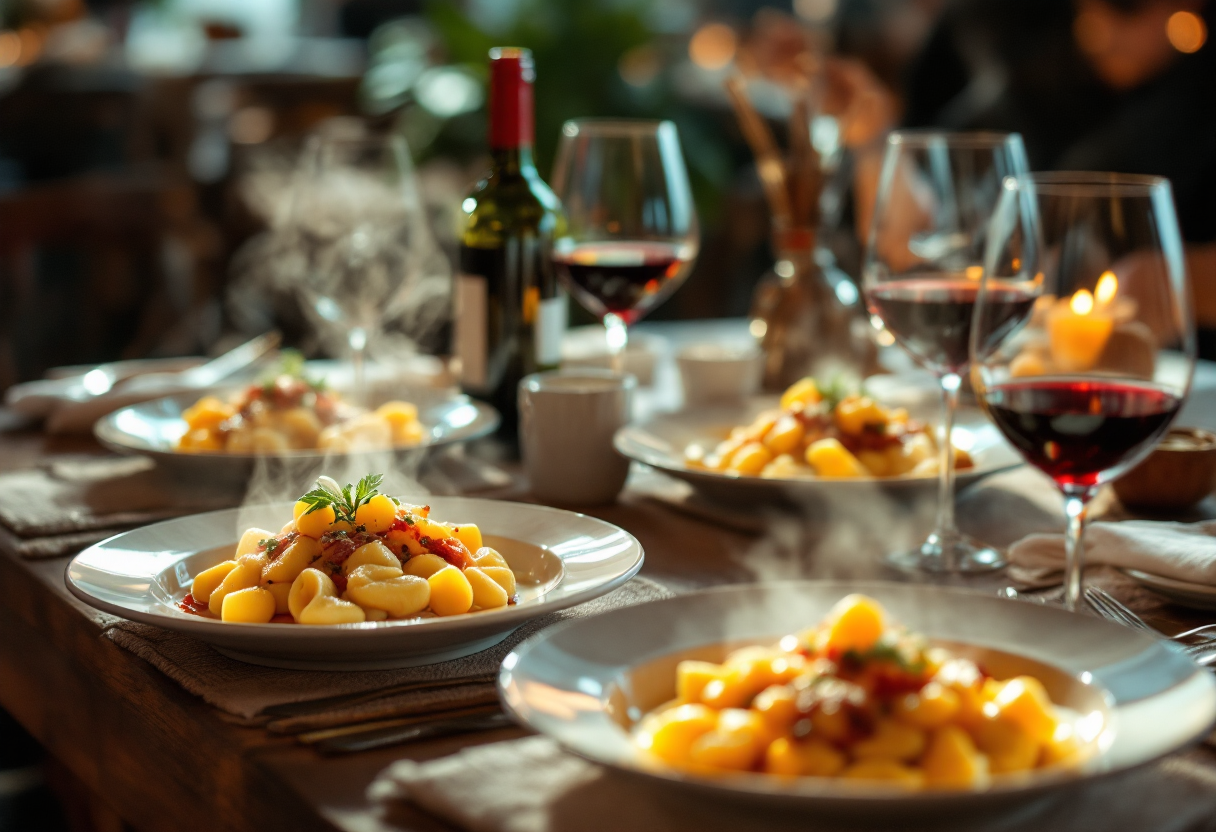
(511, 103)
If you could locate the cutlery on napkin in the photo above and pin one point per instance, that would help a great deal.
(1182, 551)
(298, 702)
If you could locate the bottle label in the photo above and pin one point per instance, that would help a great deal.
(549, 328)
(471, 329)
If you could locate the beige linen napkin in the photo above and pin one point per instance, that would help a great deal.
(531, 785)
(293, 701)
(1183, 551)
(74, 501)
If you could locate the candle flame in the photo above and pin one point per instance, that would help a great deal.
(1107, 286)
(1082, 302)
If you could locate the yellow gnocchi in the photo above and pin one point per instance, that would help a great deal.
(292, 412)
(351, 555)
(860, 698)
(818, 432)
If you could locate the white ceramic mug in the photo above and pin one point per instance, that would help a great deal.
(566, 423)
(719, 373)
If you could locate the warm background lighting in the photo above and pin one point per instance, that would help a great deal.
(639, 66)
(1082, 302)
(1186, 31)
(713, 46)
(1107, 288)
(815, 11)
(251, 125)
(10, 48)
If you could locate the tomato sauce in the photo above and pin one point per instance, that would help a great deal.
(188, 604)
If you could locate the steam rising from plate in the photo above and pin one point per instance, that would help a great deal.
(281, 480)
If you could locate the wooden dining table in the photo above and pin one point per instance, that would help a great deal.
(161, 759)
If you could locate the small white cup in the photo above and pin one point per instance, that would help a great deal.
(719, 373)
(566, 423)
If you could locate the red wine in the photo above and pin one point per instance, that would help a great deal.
(931, 316)
(1076, 430)
(626, 278)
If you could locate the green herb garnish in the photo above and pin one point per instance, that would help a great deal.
(291, 363)
(839, 386)
(344, 500)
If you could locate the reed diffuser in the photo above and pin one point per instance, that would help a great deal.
(806, 322)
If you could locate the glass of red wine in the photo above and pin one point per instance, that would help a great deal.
(631, 235)
(924, 258)
(1086, 382)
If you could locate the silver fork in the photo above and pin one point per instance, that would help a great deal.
(1110, 608)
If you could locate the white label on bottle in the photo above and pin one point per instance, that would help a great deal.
(470, 329)
(550, 326)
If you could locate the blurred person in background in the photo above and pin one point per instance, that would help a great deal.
(1107, 85)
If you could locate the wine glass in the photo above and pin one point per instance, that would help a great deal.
(631, 235)
(359, 222)
(1086, 381)
(923, 261)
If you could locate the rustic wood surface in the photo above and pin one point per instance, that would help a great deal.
(164, 760)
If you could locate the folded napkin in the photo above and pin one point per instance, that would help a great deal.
(531, 785)
(1183, 551)
(294, 701)
(74, 501)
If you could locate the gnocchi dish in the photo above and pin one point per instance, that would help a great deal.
(859, 698)
(350, 555)
(290, 412)
(813, 434)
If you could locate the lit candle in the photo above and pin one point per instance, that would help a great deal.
(1079, 331)
(1105, 291)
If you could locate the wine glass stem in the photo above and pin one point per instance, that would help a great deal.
(617, 335)
(357, 338)
(1074, 551)
(945, 529)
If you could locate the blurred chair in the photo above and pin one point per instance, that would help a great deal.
(98, 267)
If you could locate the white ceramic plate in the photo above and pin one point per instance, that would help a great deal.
(587, 682)
(661, 441)
(153, 429)
(561, 559)
(1199, 596)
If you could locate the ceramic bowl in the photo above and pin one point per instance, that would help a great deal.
(1178, 474)
(587, 683)
(153, 429)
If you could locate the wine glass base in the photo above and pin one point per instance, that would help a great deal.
(950, 556)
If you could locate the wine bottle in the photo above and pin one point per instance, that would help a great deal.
(510, 313)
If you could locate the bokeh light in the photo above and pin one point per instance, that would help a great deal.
(1186, 31)
(815, 11)
(10, 48)
(713, 46)
(639, 66)
(447, 91)
(251, 125)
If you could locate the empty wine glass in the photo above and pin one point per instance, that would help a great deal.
(1085, 381)
(936, 194)
(631, 225)
(359, 221)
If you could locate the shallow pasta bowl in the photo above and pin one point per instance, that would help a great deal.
(560, 559)
(660, 442)
(153, 429)
(587, 683)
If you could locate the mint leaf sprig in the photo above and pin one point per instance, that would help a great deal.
(344, 500)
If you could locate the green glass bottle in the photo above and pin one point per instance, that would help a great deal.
(510, 312)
